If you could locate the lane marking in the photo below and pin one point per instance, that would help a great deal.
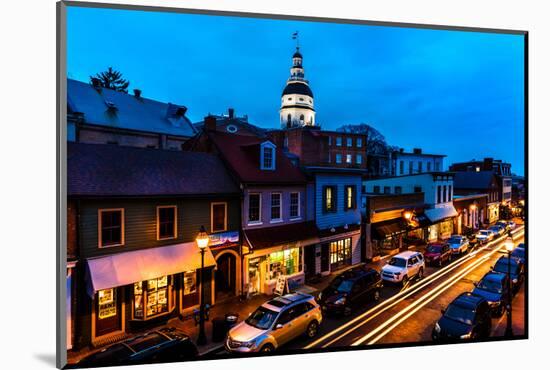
(424, 300)
(402, 295)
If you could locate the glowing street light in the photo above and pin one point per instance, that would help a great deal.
(509, 245)
(202, 242)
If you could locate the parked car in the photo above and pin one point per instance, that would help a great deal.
(458, 244)
(350, 289)
(164, 345)
(437, 253)
(494, 288)
(519, 254)
(485, 236)
(521, 245)
(473, 242)
(467, 317)
(497, 230)
(516, 271)
(275, 323)
(503, 224)
(404, 266)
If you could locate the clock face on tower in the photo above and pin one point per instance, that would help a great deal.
(297, 98)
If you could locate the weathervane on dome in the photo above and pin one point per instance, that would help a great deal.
(295, 37)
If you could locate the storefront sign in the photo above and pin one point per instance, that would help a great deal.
(223, 238)
(281, 285)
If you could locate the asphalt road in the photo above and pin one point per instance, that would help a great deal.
(408, 314)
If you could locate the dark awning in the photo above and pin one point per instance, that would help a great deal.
(303, 233)
(389, 228)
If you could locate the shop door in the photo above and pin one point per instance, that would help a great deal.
(309, 260)
(108, 311)
(225, 275)
(254, 276)
(325, 254)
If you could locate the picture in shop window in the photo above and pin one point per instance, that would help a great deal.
(107, 303)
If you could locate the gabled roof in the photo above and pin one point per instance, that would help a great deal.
(110, 108)
(111, 170)
(473, 180)
(242, 155)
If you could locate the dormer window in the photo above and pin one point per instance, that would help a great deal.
(267, 156)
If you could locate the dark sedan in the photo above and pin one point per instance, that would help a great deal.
(165, 345)
(519, 255)
(467, 317)
(350, 289)
(516, 271)
(494, 288)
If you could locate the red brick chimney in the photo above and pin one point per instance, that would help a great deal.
(210, 123)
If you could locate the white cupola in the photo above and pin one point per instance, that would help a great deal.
(297, 98)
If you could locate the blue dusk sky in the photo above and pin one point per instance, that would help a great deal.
(447, 92)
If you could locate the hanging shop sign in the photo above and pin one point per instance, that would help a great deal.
(218, 239)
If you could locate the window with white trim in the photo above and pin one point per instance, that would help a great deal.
(218, 217)
(166, 222)
(254, 207)
(267, 156)
(276, 213)
(294, 205)
(111, 227)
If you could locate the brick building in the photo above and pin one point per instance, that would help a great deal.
(315, 147)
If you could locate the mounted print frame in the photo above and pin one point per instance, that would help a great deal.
(234, 184)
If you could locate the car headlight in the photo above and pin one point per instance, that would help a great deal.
(340, 300)
(466, 336)
(249, 344)
(515, 281)
(437, 328)
(320, 296)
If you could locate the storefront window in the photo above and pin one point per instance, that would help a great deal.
(189, 282)
(445, 229)
(107, 303)
(151, 296)
(340, 252)
(286, 262)
(138, 300)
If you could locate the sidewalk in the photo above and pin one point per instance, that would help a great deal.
(518, 317)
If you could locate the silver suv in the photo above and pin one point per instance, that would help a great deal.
(404, 266)
(274, 323)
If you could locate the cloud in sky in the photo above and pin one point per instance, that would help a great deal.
(448, 92)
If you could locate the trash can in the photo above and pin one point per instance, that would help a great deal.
(231, 320)
(219, 329)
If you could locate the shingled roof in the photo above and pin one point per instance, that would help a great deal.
(110, 170)
(110, 108)
(242, 155)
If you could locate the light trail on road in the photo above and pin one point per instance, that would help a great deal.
(425, 299)
(404, 294)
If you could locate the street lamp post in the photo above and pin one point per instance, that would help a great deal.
(509, 248)
(202, 242)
